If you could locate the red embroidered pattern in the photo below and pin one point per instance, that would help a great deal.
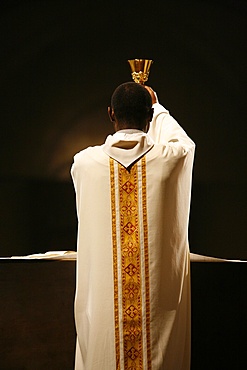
(130, 275)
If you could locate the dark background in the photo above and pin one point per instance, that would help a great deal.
(60, 62)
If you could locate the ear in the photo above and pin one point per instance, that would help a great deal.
(149, 119)
(111, 114)
(147, 127)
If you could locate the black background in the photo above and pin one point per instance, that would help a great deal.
(60, 62)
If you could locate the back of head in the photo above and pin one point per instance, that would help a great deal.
(131, 103)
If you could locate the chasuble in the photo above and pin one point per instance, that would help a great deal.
(132, 303)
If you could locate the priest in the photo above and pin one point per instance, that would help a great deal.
(132, 303)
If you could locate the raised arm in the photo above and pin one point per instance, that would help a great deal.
(164, 128)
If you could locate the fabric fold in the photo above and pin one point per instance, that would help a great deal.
(127, 146)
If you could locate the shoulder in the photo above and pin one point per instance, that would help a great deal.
(85, 153)
(90, 157)
(170, 151)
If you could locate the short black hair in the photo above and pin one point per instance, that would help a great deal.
(131, 103)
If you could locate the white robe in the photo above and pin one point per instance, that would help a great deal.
(132, 304)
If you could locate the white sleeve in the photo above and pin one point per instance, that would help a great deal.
(164, 128)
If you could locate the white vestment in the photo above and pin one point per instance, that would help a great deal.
(132, 303)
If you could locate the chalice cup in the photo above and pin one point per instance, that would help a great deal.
(140, 69)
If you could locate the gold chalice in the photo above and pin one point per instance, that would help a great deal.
(140, 69)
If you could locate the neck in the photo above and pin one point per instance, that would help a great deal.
(123, 126)
(130, 130)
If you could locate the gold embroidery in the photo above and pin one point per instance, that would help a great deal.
(114, 245)
(145, 231)
(127, 250)
(131, 268)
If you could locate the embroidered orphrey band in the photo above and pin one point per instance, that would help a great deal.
(130, 266)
